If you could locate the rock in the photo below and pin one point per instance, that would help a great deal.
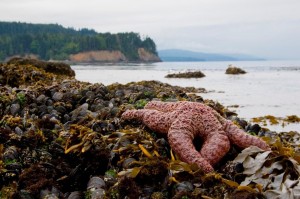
(232, 70)
(90, 95)
(255, 128)
(41, 99)
(195, 74)
(58, 68)
(18, 131)
(15, 108)
(96, 183)
(75, 195)
(80, 111)
(58, 96)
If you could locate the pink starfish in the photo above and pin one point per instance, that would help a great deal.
(183, 121)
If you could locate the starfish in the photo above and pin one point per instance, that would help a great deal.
(183, 121)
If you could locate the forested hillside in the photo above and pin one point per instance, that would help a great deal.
(52, 41)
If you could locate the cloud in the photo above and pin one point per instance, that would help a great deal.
(260, 27)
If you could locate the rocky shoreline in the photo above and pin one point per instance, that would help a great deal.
(62, 138)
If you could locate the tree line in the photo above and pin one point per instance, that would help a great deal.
(53, 41)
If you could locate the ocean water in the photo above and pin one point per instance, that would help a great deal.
(268, 88)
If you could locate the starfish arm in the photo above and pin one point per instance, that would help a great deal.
(215, 146)
(133, 115)
(181, 137)
(155, 120)
(163, 106)
(242, 139)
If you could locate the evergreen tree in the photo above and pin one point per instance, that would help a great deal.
(52, 41)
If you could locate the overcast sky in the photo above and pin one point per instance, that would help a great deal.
(265, 28)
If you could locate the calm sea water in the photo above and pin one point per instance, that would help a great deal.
(268, 88)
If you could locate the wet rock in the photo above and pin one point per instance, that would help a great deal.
(80, 111)
(97, 193)
(184, 187)
(66, 118)
(75, 195)
(58, 96)
(96, 183)
(50, 194)
(58, 68)
(190, 74)
(15, 108)
(42, 109)
(232, 70)
(41, 99)
(61, 109)
(50, 109)
(119, 93)
(255, 128)
(90, 95)
(127, 163)
(19, 131)
(49, 102)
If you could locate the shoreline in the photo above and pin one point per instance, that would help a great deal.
(58, 133)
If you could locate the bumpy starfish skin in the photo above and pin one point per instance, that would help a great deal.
(183, 121)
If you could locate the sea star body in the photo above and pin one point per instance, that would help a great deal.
(183, 121)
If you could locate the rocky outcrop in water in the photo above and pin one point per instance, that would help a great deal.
(193, 74)
(232, 70)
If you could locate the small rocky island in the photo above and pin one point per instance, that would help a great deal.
(189, 74)
(233, 70)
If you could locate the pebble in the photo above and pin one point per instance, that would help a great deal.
(19, 131)
(57, 96)
(15, 108)
(41, 99)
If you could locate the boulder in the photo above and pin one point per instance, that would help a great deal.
(58, 68)
(232, 70)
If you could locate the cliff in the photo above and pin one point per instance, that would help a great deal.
(146, 56)
(98, 56)
(111, 56)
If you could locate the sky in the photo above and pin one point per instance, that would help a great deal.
(265, 28)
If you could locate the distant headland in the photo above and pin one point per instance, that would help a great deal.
(178, 55)
(55, 42)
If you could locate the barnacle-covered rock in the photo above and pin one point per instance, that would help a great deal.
(59, 68)
(188, 74)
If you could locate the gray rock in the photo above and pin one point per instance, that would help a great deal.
(90, 95)
(15, 108)
(18, 131)
(97, 194)
(41, 99)
(57, 96)
(96, 183)
(75, 195)
(49, 102)
(80, 111)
